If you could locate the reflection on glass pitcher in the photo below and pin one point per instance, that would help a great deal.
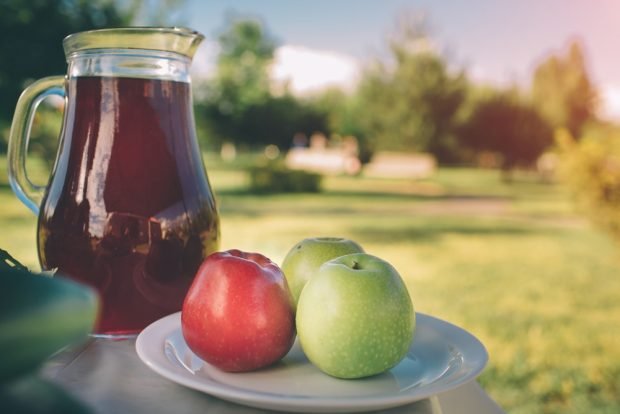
(129, 208)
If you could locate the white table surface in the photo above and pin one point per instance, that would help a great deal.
(109, 377)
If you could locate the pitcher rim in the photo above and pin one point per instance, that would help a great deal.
(181, 40)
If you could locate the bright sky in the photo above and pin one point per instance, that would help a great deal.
(499, 41)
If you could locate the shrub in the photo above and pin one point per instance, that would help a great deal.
(276, 178)
(591, 168)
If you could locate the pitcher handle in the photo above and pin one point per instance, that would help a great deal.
(29, 193)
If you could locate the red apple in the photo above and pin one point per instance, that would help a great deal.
(238, 314)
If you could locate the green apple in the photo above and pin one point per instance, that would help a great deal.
(355, 317)
(305, 258)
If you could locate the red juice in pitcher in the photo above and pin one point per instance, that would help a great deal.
(129, 209)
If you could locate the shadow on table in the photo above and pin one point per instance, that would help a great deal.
(32, 395)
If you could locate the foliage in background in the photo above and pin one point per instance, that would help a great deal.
(44, 134)
(563, 92)
(344, 115)
(504, 125)
(239, 104)
(154, 12)
(31, 41)
(31, 48)
(274, 177)
(410, 104)
(246, 51)
(591, 167)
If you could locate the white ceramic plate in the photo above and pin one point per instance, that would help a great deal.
(442, 357)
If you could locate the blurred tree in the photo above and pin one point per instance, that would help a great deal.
(563, 92)
(504, 125)
(31, 48)
(239, 106)
(277, 119)
(272, 120)
(241, 80)
(155, 12)
(31, 41)
(591, 168)
(411, 103)
(246, 50)
(343, 113)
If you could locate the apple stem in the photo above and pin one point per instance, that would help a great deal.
(356, 266)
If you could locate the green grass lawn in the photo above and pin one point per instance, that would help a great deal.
(513, 264)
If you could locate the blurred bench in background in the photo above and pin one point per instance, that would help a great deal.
(400, 165)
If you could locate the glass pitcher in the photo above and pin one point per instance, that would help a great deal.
(128, 209)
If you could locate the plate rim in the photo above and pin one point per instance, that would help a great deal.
(158, 331)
